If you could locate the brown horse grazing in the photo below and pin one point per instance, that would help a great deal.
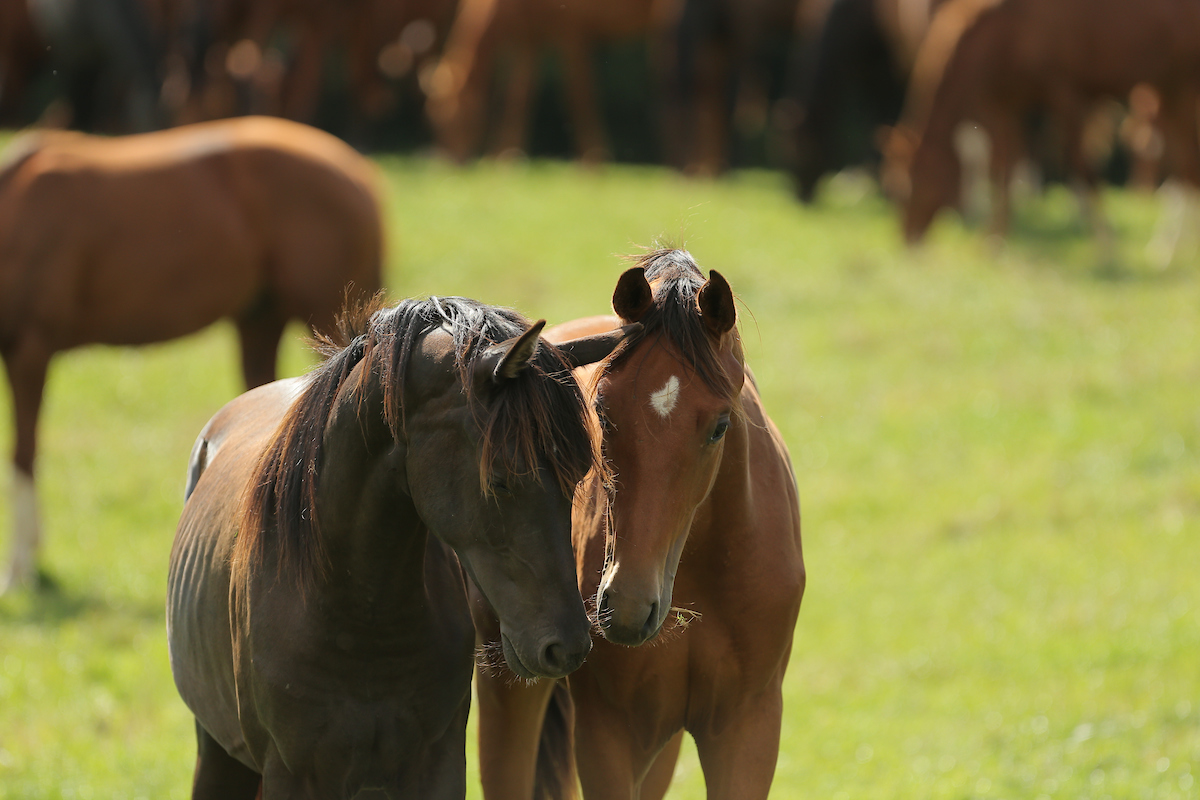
(704, 525)
(319, 629)
(486, 29)
(149, 237)
(995, 61)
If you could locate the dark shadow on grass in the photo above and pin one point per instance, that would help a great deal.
(1061, 243)
(50, 603)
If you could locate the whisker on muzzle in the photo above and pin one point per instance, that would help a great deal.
(596, 617)
(675, 625)
(490, 661)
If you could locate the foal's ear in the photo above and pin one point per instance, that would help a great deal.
(716, 304)
(632, 297)
(504, 361)
(590, 349)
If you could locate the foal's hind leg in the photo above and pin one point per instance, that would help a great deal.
(26, 364)
(259, 333)
(220, 776)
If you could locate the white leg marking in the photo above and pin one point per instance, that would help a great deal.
(974, 149)
(25, 531)
(663, 401)
(1168, 230)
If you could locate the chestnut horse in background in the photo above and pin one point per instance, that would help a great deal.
(484, 30)
(146, 238)
(996, 61)
(693, 553)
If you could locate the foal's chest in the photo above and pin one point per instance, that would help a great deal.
(368, 733)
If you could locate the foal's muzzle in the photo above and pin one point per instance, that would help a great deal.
(629, 619)
(554, 656)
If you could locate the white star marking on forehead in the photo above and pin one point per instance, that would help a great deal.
(663, 401)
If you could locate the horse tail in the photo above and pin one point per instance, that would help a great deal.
(555, 775)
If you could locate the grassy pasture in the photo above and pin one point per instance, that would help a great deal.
(996, 448)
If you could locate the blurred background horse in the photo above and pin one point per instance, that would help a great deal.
(854, 82)
(726, 64)
(486, 31)
(996, 62)
(146, 238)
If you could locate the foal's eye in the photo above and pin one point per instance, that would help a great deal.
(501, 488)
(719, 431)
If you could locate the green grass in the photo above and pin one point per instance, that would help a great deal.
(996, 450)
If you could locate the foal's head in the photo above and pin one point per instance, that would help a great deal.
(497, 440)
(665, 402)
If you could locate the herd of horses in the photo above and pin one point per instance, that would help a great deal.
(998, 62)
(820, 84)
(597, 523)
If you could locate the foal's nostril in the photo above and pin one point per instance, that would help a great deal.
(554, 657)
(559, 658)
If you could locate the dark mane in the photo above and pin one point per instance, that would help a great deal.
(675, 316)
(537, 418)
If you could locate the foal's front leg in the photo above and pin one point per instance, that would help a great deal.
(658, 779)
(618, 748)
(510, 726)
(603, 750)
(739, 759)
(511, 715)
